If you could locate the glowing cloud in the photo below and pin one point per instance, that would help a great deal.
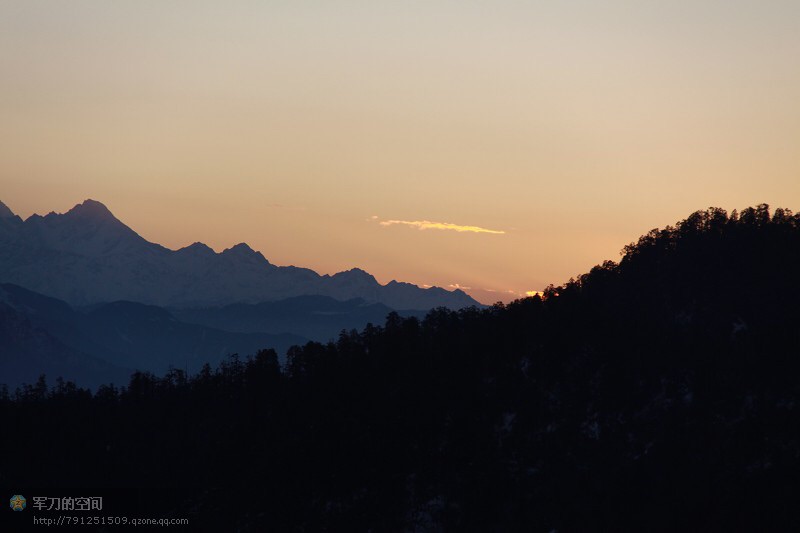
(534, 293)
(427, 224)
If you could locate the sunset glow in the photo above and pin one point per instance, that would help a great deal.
(538, 138)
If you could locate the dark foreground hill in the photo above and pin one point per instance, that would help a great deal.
(658, 394)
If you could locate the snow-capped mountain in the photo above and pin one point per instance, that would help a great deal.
(88, 256)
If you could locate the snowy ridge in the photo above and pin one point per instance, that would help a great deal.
(88, 256)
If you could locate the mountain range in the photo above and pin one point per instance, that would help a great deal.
(87, 256)
(84, 297)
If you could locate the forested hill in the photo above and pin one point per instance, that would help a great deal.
(658, 394)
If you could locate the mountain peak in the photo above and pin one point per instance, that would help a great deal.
(243, 251)
(198, 248)
(5, 212)
(355, 273)
(91, 209)
(241, 248)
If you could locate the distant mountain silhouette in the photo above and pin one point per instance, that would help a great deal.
(88, 256)
(318, 318)
(91, 347)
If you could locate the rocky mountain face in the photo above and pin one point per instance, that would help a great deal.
(87, 256)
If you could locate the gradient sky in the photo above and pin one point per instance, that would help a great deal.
(566, 128)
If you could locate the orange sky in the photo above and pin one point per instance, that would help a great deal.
(567, 129)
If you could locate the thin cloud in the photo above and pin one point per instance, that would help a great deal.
(427, 224)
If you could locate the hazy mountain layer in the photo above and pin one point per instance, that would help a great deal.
(319, 318)
(45, 335)
(27, 352)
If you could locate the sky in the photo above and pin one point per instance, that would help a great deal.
(497, 146)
